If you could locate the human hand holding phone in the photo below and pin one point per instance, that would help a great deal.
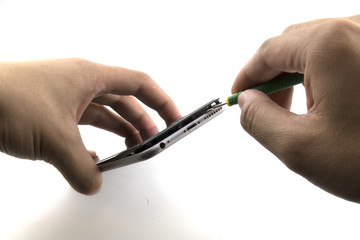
(42, 102)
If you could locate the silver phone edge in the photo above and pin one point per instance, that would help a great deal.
(167, 142)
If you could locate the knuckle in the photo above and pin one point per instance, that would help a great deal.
(265, 46)
(334, 43)
(292, 27)
(77, 60)
(143, 77)
(335, 34)
(81, 69)
(145, 83)
(80, 63)
(338, 25)
(87, 73)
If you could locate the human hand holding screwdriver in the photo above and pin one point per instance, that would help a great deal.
(322, 145)
(42, 102)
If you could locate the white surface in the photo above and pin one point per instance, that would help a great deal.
(217, 183)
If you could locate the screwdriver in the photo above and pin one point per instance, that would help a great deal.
(271, 87)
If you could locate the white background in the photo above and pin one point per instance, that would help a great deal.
(218, 183)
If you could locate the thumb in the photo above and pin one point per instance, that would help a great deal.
(266, 121)
(76, 164)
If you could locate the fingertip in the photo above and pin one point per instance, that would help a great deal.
(169, 112)
(80, 170)
(282, 98)
(94, 155)
(242, 99)
(92, 187)
(133, 140)
(176, 116)
(149, 132)
(248, 95)
(89, 183)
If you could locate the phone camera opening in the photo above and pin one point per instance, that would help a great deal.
(162, 145)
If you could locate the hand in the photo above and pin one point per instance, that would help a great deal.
(324, 144)
(42, 102)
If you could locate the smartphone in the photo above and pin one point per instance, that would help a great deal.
(162, 140)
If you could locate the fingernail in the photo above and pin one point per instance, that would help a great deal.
(242, 99)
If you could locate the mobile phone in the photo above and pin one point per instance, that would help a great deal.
(161, 141)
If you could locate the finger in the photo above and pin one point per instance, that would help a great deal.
(283, 98)
(73, 161)
(355, 19)
(101, 117)
(94, 155)
(122, 81)
(130, 109)
(313, 23)
(285, 53)
(270, 124)
(301, 26)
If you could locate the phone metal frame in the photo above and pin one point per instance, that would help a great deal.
(162, 140)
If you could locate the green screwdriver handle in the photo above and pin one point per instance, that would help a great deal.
(272, 86)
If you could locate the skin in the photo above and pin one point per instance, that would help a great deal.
(42, 103)
(323, 144)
